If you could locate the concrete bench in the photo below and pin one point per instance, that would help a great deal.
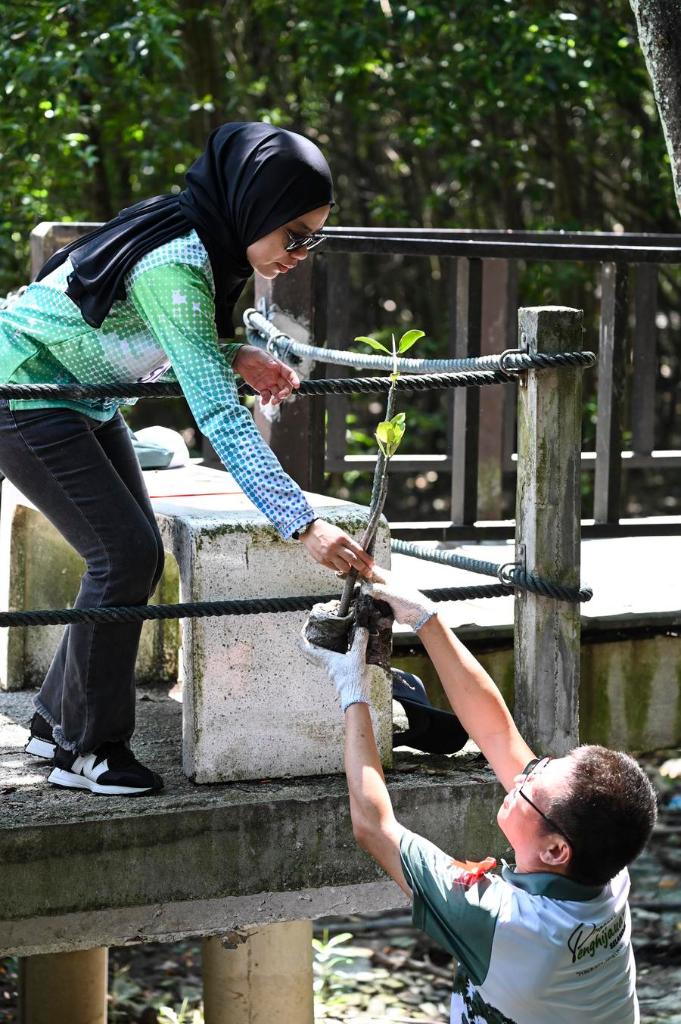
(252, 706)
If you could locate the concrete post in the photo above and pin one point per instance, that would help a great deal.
(267, 977)
(64, 988)
(547, 632)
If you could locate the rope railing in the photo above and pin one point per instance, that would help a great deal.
(259, 329)
(512, 574)
(467, 373)
(334, 386)
(207, 609)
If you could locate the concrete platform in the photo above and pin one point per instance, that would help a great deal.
(81, 871)
(634, 580)
(630, 690)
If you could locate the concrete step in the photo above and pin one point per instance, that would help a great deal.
(82, 871)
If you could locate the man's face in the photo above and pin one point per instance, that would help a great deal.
(521, 823)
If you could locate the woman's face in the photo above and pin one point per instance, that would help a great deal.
(268, 256)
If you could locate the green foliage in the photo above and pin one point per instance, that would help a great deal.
(512, 114)
(389, 434)
(521, 114)
(409, 339)
(326, 963)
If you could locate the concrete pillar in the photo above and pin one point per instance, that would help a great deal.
(64, 988)
(547, 632)
(39, 569)
(253, 707)
(268, 977)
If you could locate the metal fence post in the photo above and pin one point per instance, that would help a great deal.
(547, 632)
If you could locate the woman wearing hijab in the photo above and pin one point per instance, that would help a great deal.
(148, 294)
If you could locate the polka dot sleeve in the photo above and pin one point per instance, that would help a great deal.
(176, 304)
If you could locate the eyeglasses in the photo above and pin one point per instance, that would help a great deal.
(303, 241)
(530, 770)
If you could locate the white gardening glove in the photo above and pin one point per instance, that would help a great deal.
(348, 672)
(410, 607)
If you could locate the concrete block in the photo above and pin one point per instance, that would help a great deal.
(38, 569)
(253, 706)
(205, 860)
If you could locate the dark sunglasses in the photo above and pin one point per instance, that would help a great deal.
(303, 241)
(532, 766)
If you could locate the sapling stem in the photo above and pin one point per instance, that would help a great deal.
(379, 492)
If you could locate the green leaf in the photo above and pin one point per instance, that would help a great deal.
(383, 432)
(409, 339)
(374, 344)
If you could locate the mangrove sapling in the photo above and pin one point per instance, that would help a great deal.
(331, 626)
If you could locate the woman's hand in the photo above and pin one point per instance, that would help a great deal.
(272, 379)
(332, 547)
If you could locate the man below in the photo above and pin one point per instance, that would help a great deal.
(547, 941)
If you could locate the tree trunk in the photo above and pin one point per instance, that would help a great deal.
(659, 33)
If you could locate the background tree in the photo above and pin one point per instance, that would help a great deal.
(525, 114)
(659, 31)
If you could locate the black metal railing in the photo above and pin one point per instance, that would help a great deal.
(481, 269)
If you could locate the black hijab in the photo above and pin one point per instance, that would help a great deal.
(251, 179)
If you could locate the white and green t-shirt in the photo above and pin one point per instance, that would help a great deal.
(532, 948)
(164, 327)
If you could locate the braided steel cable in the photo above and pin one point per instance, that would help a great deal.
(259, 328)
(207, 609)
(510, 573)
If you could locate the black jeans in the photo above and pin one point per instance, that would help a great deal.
(84, 476)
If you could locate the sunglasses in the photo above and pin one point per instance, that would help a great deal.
(530, 770)
(303, 241)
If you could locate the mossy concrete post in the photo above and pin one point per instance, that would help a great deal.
(547, 632)
(260, 976)
(64, 988)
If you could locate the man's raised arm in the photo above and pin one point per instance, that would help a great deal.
(474, 697)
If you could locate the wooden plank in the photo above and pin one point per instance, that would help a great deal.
(466, 419)
(611, 371)
(498, 312)
(338, 336)
(644, 370)
(547, 632)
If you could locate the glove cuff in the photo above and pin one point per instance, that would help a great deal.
(428, 614)
(353, 700)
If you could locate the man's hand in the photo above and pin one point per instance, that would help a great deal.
(333, 548)
(349, 672)
(409, 606)
(271, 378)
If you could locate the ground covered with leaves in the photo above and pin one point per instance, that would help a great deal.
(381, 969)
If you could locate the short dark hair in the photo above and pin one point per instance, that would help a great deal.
(608, 811)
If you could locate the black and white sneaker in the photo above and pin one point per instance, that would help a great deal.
(41, 743)
(112, 769)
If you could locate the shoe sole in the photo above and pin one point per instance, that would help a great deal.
(69, 780)
(40, 748)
